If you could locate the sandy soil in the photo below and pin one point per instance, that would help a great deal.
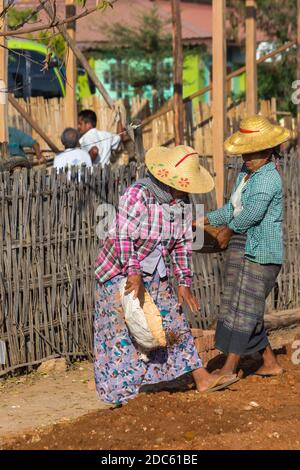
(39, 399)
(256, 413)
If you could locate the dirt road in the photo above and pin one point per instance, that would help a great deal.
(256, 413)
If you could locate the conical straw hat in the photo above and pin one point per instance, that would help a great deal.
(256, 134)
(179, 168)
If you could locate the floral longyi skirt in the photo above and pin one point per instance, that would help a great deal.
(120, 370)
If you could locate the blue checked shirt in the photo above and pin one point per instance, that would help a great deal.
(261, 217)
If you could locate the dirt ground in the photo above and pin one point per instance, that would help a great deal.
(255, 413)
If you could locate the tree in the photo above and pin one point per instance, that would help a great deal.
(144, 47)
(16, 16)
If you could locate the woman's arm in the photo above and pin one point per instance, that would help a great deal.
(224, 215)
(253, 212)
(221, 216)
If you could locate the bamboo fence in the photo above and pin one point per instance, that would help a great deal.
(52, 117)
(157, 129)
(47, 251)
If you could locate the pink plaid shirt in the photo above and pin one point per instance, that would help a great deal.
(142, 224)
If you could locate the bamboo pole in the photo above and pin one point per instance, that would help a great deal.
(3, 81)
(80, 57)
(251, 67)
(71, 104)
(219, 95)
(177, 73)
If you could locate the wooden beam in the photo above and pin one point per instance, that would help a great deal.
(32, 123)
(80, 57)
(251, 67)
(177, 73)
(281, 319)
(169, 106)
(70, 99)
(241, 70)
(3, 81)
(219, 95)
(298, 71)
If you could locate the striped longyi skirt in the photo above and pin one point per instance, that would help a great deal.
(240, 328)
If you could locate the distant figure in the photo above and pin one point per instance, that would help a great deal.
(99, 144)
(18, 140)
(73, 155)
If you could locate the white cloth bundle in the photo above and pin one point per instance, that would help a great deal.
(143, 321)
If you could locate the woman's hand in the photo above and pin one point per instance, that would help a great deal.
(224, 236)
(184, 293)
(134, 284)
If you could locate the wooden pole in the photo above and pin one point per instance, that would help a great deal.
(241, 70)
(3, 81)
(251, 67)
(70, 99)
(32, 122)
(298, 73)
(80, 57)
(219, 95)
(177, 73)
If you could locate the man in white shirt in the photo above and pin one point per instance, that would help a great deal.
(73, 155)
(99, 144)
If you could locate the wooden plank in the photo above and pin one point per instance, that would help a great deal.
(219, 95)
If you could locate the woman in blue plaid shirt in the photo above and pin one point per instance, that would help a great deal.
(252, 230)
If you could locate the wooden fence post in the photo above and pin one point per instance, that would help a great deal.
(138, 140)
(70, 100)
(3, 80)
(251, 67)
(219, 95)
(177, 73)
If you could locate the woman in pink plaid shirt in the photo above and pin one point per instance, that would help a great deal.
(153, 230)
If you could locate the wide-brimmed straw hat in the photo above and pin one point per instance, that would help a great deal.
(256, 133)
(179, 168)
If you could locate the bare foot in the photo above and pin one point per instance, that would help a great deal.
(269, 371)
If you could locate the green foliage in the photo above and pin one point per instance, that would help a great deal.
(16, 16)
(55, 44)
(275, 79)
(144, 48)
